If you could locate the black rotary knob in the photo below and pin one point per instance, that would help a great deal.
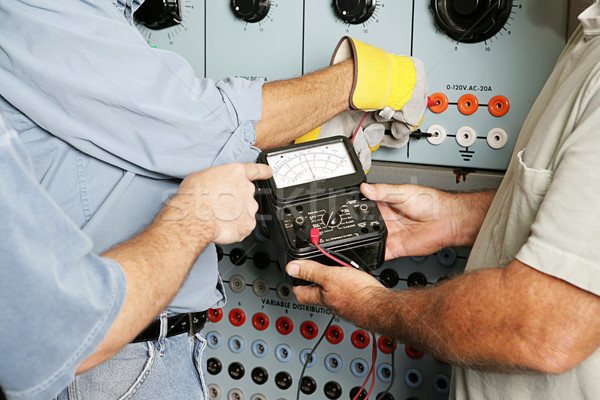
(159, 14)
(354, 11)
(471, 21)
(250, 10)
(333, 219)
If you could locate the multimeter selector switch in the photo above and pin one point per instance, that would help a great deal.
(471, 21)
(159, 14)
(354, 11)
(332, 219)
(250, 10)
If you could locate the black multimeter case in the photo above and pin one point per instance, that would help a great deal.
(317, 185)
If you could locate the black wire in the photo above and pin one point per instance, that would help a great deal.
(346, 259)
(309, 357)
(341, 256)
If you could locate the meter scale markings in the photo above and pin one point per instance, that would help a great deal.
(308, 165)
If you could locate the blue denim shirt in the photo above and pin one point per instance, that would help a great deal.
(112, 124)
(58, 299)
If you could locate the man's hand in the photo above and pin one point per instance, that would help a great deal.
(343, 290)
(214, 205)
(421, 221)
(220, 200)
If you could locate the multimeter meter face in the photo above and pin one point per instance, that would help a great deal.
(313, 168)
(325, 161)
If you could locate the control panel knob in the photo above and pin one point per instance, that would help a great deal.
(250, 10)
(354, 11)
(159, 14)
(471, 21)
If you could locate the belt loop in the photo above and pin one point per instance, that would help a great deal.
(192, 324)
(162, 336)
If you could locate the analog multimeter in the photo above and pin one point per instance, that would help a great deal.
(317, 185)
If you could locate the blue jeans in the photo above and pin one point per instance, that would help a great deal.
(167, 369)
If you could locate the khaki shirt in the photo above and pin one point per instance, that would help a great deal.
(546, 212)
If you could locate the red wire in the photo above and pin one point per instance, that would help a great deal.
(337, 260)
(315, 240)
(371, 372)
(363, 386)
(358, 127)
(373, 367)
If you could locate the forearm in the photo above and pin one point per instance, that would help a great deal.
(450, 321)
(506, 319)
(166, 249)
(293, 107)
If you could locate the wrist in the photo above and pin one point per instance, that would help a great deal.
(375, 298)
(468, 211)
(185, 220)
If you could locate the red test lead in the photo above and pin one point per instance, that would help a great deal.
(314, 236)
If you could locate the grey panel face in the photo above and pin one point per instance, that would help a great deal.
(186, 38)
(514, 63)
(270, 48)
(389, 27)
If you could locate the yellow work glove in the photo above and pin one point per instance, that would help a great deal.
(383, 81)
(367, 138)
(393, 85)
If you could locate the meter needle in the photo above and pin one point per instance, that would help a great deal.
(310, 169)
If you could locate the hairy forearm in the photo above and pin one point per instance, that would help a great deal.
(166, 249)
(495, 319)
(291, 108)
(450, 321)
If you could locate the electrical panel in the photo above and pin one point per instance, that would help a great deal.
(486, 61)
(259, 342)
(489, 77)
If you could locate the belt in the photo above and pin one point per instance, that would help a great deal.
(176, 325)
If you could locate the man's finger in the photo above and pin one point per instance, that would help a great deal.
(307, 270)
(256, 171)
(393, 194)
(379, 191)
(309, 295)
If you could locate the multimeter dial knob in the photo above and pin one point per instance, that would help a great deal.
(250, 10)
(471, 21)
(354, 11)
(333, 219)
(159, 14)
